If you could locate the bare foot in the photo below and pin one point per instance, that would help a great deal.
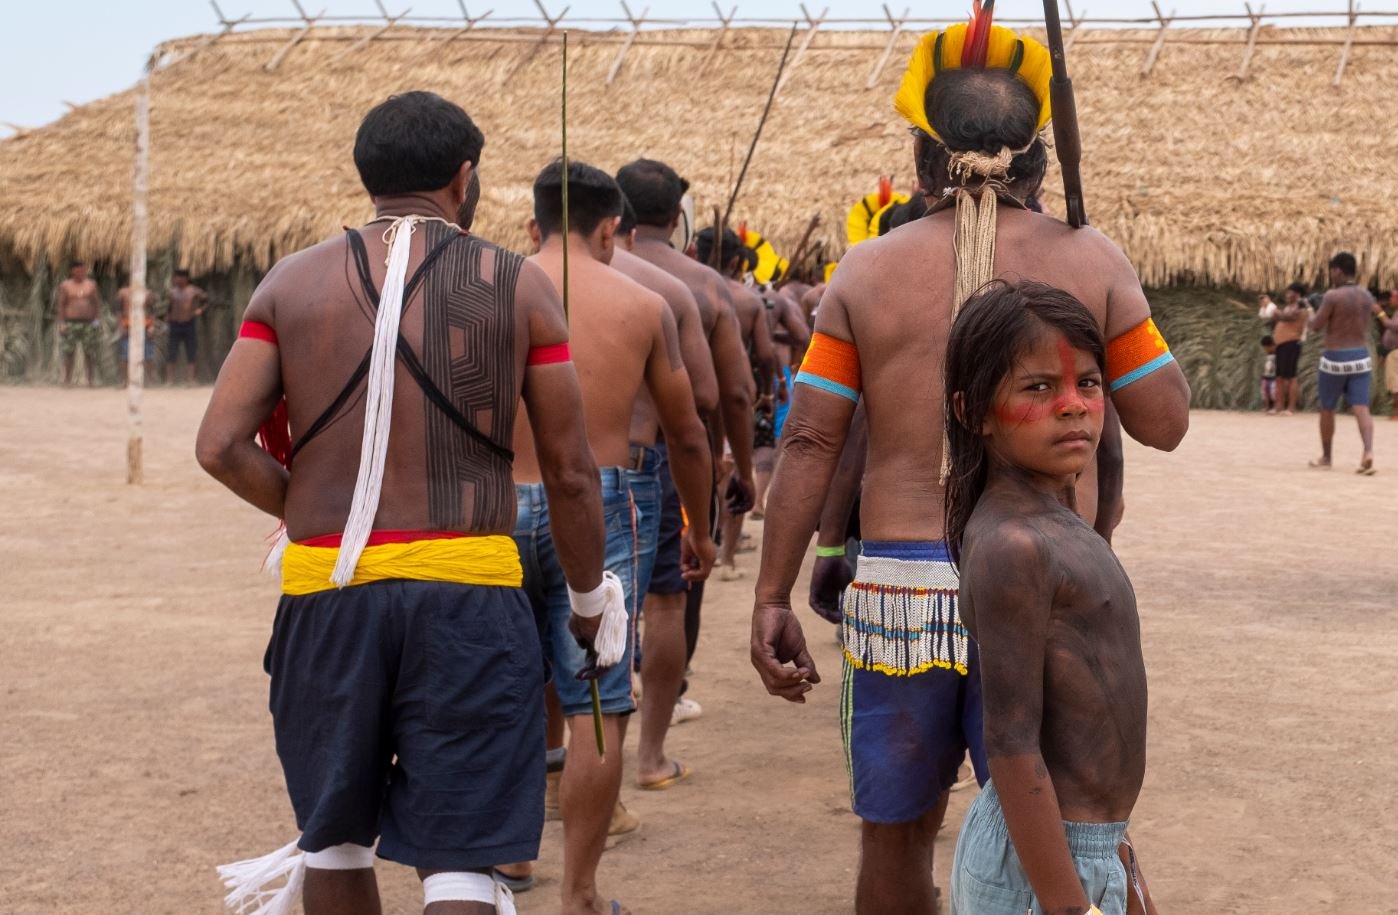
(1320, 464)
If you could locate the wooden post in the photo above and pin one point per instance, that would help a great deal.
(726, 21)
(1073, 23)
(1155, 49)
(1349, 45)
(897, 26)
(626, 45)
(470, 22)
(310, 22)
(812, 26)
(553, 22)
(1256, 18)
(389, 22)
(136, 319)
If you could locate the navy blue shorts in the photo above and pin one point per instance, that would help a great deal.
(412, 713)
(667, 576)
(183, 335)
(910, 706)
(1344, 373)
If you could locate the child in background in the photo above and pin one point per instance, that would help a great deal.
(1050, 607)
(1269, 376)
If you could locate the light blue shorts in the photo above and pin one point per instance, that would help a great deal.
(987, 879)
(547, 591)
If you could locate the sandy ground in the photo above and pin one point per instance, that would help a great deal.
(138, 748)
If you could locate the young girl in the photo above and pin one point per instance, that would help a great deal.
(1051, 608)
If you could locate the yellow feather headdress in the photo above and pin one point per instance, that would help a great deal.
(938, 52)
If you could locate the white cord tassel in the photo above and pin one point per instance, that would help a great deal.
(272, 564)
(378, 406)
(607, 600)
(247, 882)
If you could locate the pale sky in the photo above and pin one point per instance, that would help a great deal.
(57, 51)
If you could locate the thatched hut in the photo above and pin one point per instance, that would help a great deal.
(1207, 182)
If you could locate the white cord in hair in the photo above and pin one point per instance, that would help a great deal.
(378, 403)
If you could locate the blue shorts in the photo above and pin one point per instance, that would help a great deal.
(910, 704)
(1345, 372)
(779, 417)
(547, 591)
(667, 575)
(124, 347)
(183, 335)
(987, 878)
(412, 712)
(644, 482)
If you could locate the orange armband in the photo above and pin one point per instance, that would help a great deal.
(831, 364)
(1136, 354)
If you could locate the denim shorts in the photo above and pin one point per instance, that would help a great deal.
(547, 591)
(644, 483)
(987, 878)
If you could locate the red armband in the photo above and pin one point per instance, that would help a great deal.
(256, 330)
(549, 355)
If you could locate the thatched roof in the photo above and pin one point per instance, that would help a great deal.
(1200, 178)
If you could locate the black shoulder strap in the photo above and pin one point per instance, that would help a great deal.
(405, 352)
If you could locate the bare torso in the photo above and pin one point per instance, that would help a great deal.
(1290, 323)
(78, 300)
(1350, 313)
(895, 295)
(1093, 730)
(612, 327)
(184, 303)
(704, 283)
(470, 334)
(645, 423)
(1390, 333)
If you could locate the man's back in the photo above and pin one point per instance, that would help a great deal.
(704, 283)
(1346, 314)
(461, 324)
(613, 326)
(895, 294)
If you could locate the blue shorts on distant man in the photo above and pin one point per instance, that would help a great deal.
(1345, 372)
(547, 590)
(910, 706)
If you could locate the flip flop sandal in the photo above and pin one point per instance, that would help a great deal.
(681, 772)
(515, 884)
(1367, 469)
(1319, 465)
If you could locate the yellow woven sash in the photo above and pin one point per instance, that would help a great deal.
(491, 561)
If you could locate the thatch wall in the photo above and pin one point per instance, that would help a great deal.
(1200, 178)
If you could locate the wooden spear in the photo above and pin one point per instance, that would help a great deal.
(752, 147)
(597, 729)
(1066, 136)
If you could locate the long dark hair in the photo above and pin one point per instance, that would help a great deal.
(995, 327)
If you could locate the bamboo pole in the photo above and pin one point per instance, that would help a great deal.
(1242, 74)
(813, 25)
(1349, 44)
(897, 29)
(136, 319)
(636, 23)
(1159, 45)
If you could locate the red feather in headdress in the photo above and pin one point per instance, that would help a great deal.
(977, 45)
(885, 191)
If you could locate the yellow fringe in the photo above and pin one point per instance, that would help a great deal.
(895, 672)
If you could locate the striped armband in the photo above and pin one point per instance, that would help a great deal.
(256, 330)
(549, 355)
(1136, 354)
(831, 364)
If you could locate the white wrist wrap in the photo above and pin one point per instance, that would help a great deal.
(607, 600)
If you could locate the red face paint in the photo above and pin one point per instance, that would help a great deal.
(1022, 407)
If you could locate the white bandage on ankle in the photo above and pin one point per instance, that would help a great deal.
(341, 858)
(607, 600)
(468, 887)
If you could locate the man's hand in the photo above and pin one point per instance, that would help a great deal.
(776, 641)
(829, 576)
(741, 495)
(697, 553)
(585, 630)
